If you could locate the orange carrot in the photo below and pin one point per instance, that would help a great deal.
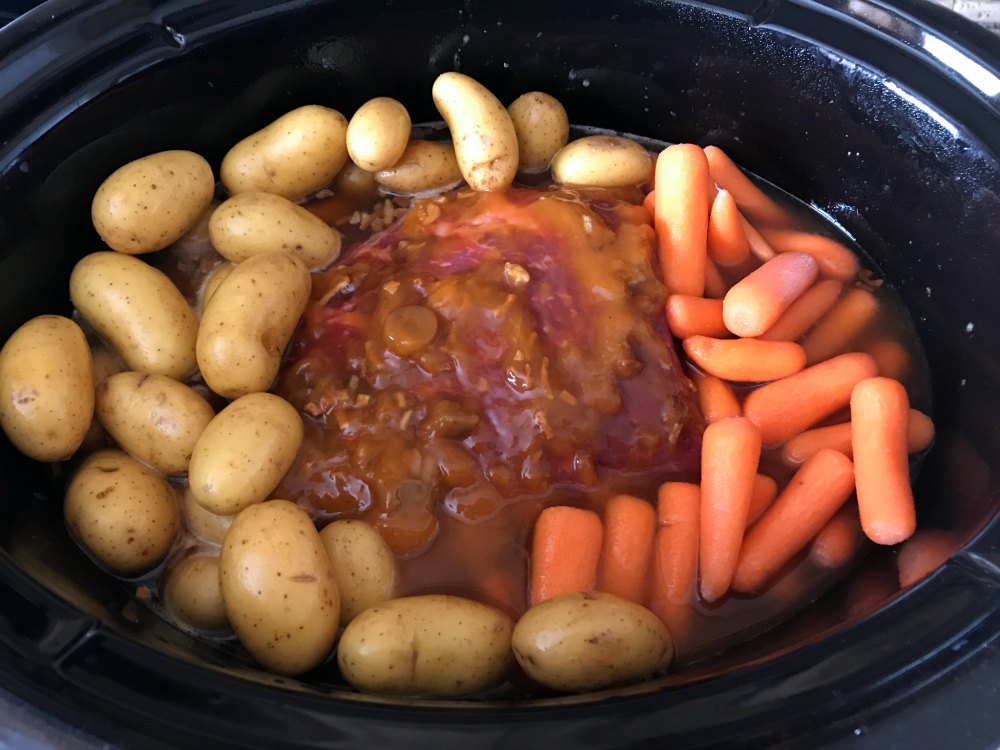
(727, 240)
(839, 541)
(629, 524)
(694, 316)
(716, 398)
(676, 555)
(812, 497)
(682, 203)
(803, 313)
(841, 326)
(923, 553)
(880, 411)
(715, 285)
(747, 360)
(919, 434)
(764, 491)
(760, 248)
(564, 552)
(756, 302)
(729, 456)
(789, 406)
(649, 203)
(835, 261)
(892, 358)
(750, 198)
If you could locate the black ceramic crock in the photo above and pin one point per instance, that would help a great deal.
(886, 117)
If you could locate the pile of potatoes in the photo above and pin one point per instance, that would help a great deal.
(186, 488)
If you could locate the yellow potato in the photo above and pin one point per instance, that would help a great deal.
(248, 322)
(590, 640)
(425, 167)
(46, 388)
(122, 512)
(193, 593)
(154, 418)
(244, 452)
(151, 202)
(251, 224)
(278, 587)
(207, 526)
(602, 161)
(138, 310)
(354, 182)
(105, 363)
(542, 127)
(484, 135)
(362, 564)
(294, 156)
(219, 274)
(378, 133)
(432, 645)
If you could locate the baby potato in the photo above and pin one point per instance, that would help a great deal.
(294, 156)
(602, 161)
(378, 133)
(122, 512)
(154, 418)
(431, 645)
(590, 640)
(248, 322)
(244, 452)
(484, 135)
(193, 593)
(542, 128)
(207, 526)
(362, 564)
(138, 310)
(278, 587)
(424, 167)
(151, 202)
(251, 224)
(354, 182)
(46, 388)
(219, 274)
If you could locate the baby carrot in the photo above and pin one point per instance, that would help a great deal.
(694, 316)
(760, 248)
(803, 313)
(682, 203)
(919, 434)
(750, 198)
(716, 398)
(758, 300)
(789, 406)
(839, 327)
(879, 413)
(764, 490)
(812, 497)
(629, 524)
(564, 552)
(730, 453)
(649, 203)
(715, 285)
(835, 261)
(727, 240)
(839, 541)
(892, 358)
(676, 553)
(746, 360)
(923, 553)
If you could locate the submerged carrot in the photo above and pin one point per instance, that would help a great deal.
(764, 491)
(676, 556)
(803, 313)
(760, 248)
(695, 316)
(879, 414)
(919, 434)
(841, 326)
(789, 406)
(564, 552)
(649, 203)
(835, 261)
(746, 360)
(729, 456)
(716, 398)
(839, 541)
(812, 497)
(727, 240)
(715, 285)
(629, 525)
(682, 203)
(756, 302)
(923, 553)
(750, 198)
(892, 358)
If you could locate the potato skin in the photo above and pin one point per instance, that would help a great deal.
(378, 133)
(138, 310)
(278, 587)
(590, 640)
(193, 593)
(247, 323)
(362, 564)
(154, 418)
(122, 512)
(425, 167)
(151, 202)
(207, 526)
(542, 127)
(431, 645)
(46, 388)
(602, 161)
(244, 452)
(294, 156)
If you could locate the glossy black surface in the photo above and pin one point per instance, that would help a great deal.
(847, 105)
